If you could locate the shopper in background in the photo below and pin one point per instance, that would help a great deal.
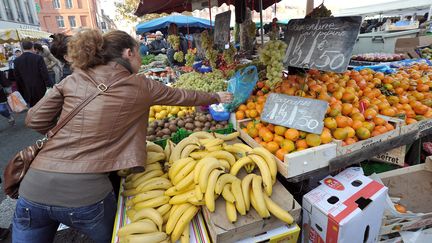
(4, 92)
(31, 75)
(12, 56)
(54, 66)
(159, 45)
(68, 180)
(59, 50)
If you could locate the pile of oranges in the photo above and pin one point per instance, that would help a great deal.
(355, 98)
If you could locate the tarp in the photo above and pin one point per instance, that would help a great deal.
(393, 8)
(17, 35)
(179, 20)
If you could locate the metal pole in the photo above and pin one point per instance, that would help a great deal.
(261, 22)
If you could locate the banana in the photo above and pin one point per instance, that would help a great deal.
(252, 199)
(153, 157)
(198, 193)
(149, 175)
(209, 195)
(231, 211)
(165, 218)
(207, 143)
(205, 172)
(152, 181)
(123, 173)
(184, 238)
(238, 195)
(225, 164)
(193, 200)
(249, 167)
(227, 137)
(258, 196)
(149, 237)
(277, 211)
(152, 147)
(175, 216)
(176, 152)
(140, 227)
(148, 168)
(130, 213)
(172, 191)
(240, 164)
(246, 148)
(174, 208)
(185, 182)
(188, 150)
(129, 203)
(214, 148)
(177, 165)
(162, 183)
(223, 180)
(143, 196)
(236, 151)
(227, 194)
(182, 198)
(222, 155)
(269, 159)
(165, 175)
(265, 172)
(199, 166)
(130, 192)
(152, 203)
(198, 154)
(149, 213)
(183, 172)
(202, 135)
(184, 220)
(167, 149)
(164, 209)
(246, 185)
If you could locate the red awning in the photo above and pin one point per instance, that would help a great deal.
(169, 6)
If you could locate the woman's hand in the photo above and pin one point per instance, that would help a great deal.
(225, 97)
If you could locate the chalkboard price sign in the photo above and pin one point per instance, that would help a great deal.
(323, 43)
(222, 29)
(295, 112)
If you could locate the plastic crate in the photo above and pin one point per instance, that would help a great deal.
(371, 167)
(162, 142)
(183, 133)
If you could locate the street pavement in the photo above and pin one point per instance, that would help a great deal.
(12, 140)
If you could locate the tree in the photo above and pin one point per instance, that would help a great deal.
(126, 11)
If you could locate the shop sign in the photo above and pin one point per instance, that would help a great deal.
(222, 29)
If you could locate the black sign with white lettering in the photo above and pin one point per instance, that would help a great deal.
(222, 29)
(323, 43)
(295, 112)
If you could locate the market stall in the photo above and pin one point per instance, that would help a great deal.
(179, 20)
(18, 35)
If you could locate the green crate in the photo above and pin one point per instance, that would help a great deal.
(371, 167)
(183, 133)
(162, 142)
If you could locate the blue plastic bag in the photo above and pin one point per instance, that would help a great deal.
(241, 84)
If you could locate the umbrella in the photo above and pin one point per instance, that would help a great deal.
(17, 35)
(179, 20)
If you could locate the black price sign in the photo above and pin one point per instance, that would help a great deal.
(295, 112)
(222, 29)
(323, 43)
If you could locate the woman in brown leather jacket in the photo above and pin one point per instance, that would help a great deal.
(68, 180)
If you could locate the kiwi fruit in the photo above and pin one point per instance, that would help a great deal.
(209, 117)
(160, 134)
(197, 129)
(150, 131)
(151, 137)
(198, 124)
(166, 131)
(181, 123)
(202, 119)
(189, 120)
(173, 128)
(189, 126)
(166, 136)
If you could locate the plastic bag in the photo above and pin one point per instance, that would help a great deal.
(16, 102)
(241, 84)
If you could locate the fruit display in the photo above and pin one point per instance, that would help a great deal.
(272, 55)
(147, 59)
(174, 41)
(161, 129)
(179, 56)
(200, 169)
(190, 57)
(208, 82)
(159, 112)
(378, 57)
(426, 53)
(356, 98)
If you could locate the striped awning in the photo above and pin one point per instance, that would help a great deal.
(17, 35)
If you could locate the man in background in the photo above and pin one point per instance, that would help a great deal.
(31, 75)
(159, 45)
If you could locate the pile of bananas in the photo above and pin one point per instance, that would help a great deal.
(200, 168)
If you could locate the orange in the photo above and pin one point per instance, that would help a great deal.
(278, 139)
(287, 145)
(375, 133)
(340, 133)
(347, 109)
(272, 147)
(369, 125)
(240, 115)
(250, 124)
(261, 100)
(253, 132)
(389, 126)
(253, 113)
(264, 144)
(301, 144)
(271, 127)
(351, 132)
(381, 129)
(280, 154)
(363, 133)
(292, 134)
(410, 121)
(349, 141)
(342, 121)
(267, 137)
(258, 139)
(388, 112)
(330, 123)
(358, 117)
(250, 105)
(280, 130)
(313, 140)
(326, 137)
(370, 113)
(348, 97)
(400, 208)
(262, 131)
(303, 134)
(357, 124)
(242, 107)
(379, 121)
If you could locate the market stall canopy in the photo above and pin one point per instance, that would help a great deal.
(394, 8)
(179, 20)
(170, 6)
(17, 35)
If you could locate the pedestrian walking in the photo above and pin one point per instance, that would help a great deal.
(31, 74)
(59, 50)
(68, 180)
(54, 66)
(4, 107)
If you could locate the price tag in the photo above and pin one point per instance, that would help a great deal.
(295, 112)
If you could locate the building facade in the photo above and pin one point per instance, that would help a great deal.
(21, 14)
(68, 16)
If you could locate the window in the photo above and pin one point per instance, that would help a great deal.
(56, 3)
(68, 3)
(19, 11)
(72, 21)
(60, 21)
(28, 11)
(79, 3)
(8, 10)
(83, 20)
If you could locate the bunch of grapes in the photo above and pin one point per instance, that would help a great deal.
(190, 58)
(272, 55)
(228, 54)
(179, 56)
(206, 41)
(174, 40)
(211, 56)
(208, 82)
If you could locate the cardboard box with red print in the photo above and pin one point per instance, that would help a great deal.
(345, 208)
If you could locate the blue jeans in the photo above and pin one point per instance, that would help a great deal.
(38, 223)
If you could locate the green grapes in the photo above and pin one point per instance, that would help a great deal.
(174, 40)
(179, 56)
(272, 55)
(208, 82)
(211, 55)
(190, 58)
(228, 54)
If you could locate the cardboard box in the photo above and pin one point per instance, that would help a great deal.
(284, 234)
(344, 208)
(395, 156)
(297, 163)
(407, 46)
(411, 186)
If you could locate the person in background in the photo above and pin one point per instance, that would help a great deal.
(143, 46)
(173, 30)
(31, 75)
(4, 92)
(12, 56)
(59, 50)
(159, 45)
(54, 66)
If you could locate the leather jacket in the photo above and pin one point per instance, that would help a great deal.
(108, 134)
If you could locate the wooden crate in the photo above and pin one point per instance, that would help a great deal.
(221, 230)
(297, 163)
